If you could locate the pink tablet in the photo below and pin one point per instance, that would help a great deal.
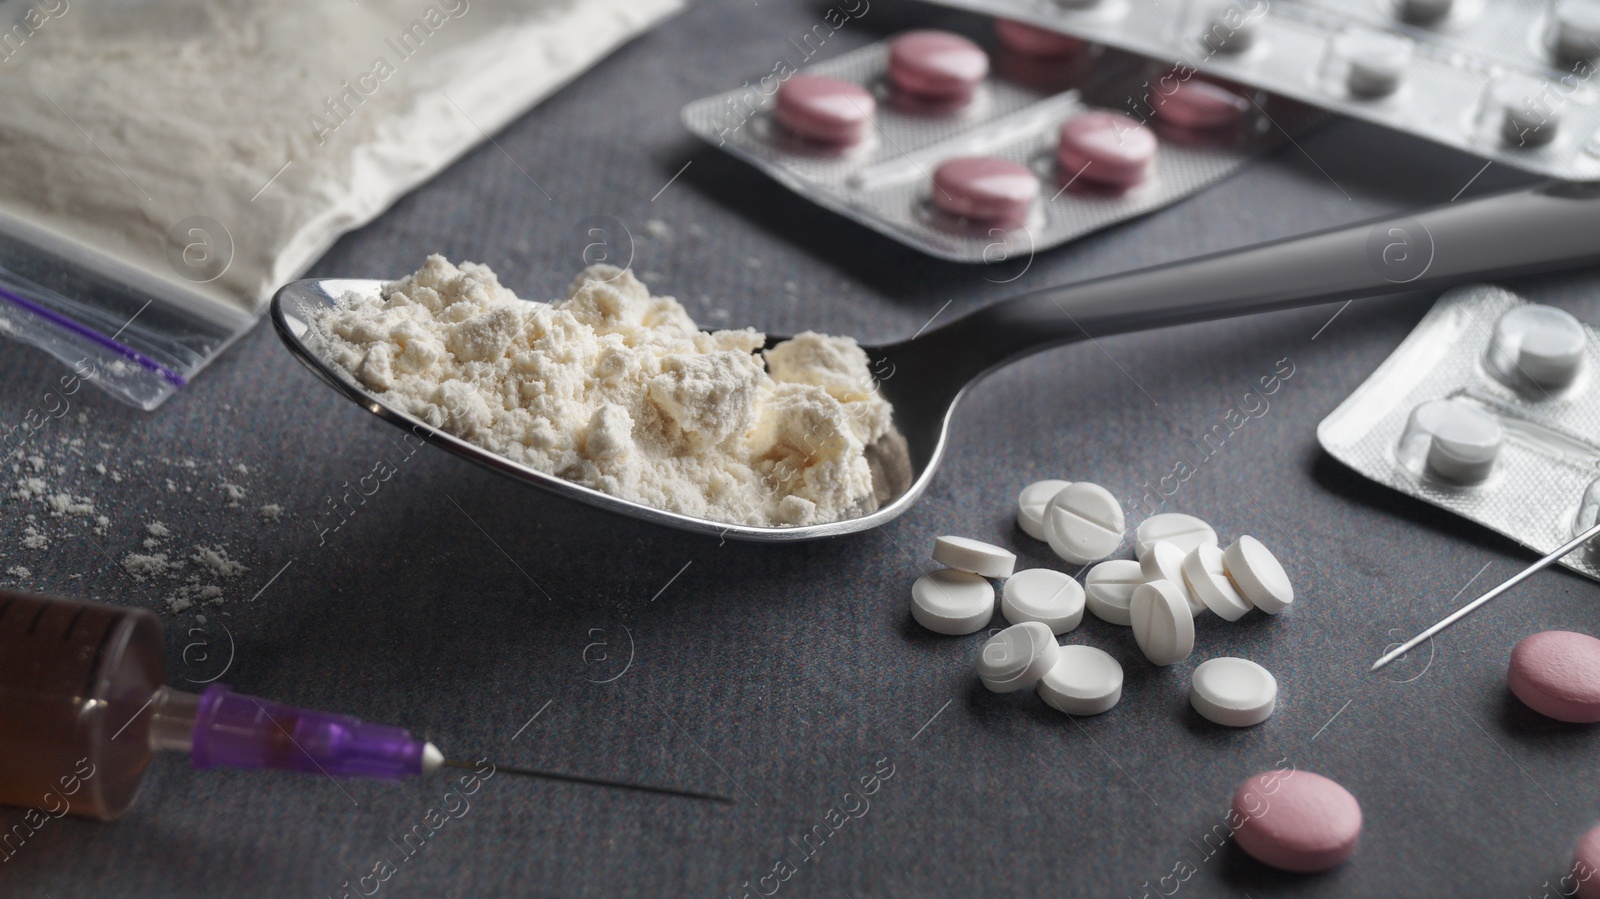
(1198, 105)
(1296, 820)
(1557, 673)
(936, 65)
(1106, 148)
(826, 110)
(1586, 866)
(985, 188)
(1030, 40)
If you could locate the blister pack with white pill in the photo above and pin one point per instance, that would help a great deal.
(1510, 80)
(1490, 408)
(984, 155)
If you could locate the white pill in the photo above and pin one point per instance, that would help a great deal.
(1541, 344)
(1085, 523)
(1185, 531)
(1084, 681)
(1577, 30)
(1164, 562)
(1463, 440)
(1232, 29)
(1530, 120)
(1031, 504)
(1051, 598)
(1108, 589)
(1258, 575)
(1377, 62)
(1233, 692)
(1017, 657)
(974, 556)
(1163, 626)
(947, 601)
(1422, 12)
(1207, 578)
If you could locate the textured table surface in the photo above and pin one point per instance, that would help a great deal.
(501, 622)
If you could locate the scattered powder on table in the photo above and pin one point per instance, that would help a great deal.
(141, 565)
(272, 511)
(618, 390)
(28, 488)
(18, 571)
(62, 504)
(33, 539)
(234, 492)
(216, 559)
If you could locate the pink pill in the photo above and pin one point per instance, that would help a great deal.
(1557, 673)
(1106, 148)
(936, 65)
(1586, 865)
(825, 109)
(985, 188)
(1030, 40)
(1199, 105)
(1296, 820)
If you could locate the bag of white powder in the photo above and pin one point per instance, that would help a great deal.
(165, 165)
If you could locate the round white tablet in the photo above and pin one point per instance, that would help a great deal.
(1377, 61)
(1207, 578)
(1051, 598)
(1233, 692)
(1527, 122)
(947, 601)
(1163, 626)
(1164, 562)
(1031, 503)
(1541, 344)
(1108, 589)
(1258, 575)
(1184, 531)
(974, 556)
(1085, 523)
(1453, 440)
(1577, 30)
(1017, 657)
(1083, 681)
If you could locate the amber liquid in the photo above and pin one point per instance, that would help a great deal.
(76, 680)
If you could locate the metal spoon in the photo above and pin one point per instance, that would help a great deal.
(1543, 228)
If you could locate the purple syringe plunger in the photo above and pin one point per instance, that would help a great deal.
(232, 730)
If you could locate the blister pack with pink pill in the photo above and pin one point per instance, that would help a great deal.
(1490, 409)
(1509, 80)
(984, 155)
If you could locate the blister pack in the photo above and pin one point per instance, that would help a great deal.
(1490, 408)
(1509, 80)
(978, 155)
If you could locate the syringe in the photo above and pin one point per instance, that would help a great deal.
(84, 708)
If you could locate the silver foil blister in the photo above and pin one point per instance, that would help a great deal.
(1543, 486)
(1016, 114)
(1508, 80)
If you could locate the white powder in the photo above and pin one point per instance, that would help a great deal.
(271, 511)
(215, 558)
(618, 390)
(19, 571)
(32, 538)
(284, 123)
(141, 566)
(66, 504)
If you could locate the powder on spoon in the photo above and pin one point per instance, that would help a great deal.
(618, 390)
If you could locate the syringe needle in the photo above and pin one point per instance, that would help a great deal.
(596, 781)
(1510, 582)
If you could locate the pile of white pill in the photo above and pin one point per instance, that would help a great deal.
(1181, 571)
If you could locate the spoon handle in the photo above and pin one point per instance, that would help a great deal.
(1543, 228)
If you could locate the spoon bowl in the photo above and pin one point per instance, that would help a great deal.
(1543, 228)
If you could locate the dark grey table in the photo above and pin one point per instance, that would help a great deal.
(484, 614)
